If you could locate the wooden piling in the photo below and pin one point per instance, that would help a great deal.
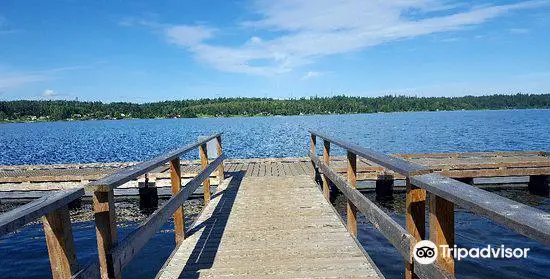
(59, 239)
(326, 159)
(442, 228)
(203, 151)
(106, 231)
(415, 218)
(352, 179)
(384, 187)
(179, 217)
(313, 149)
(539, 185)
(221, 174)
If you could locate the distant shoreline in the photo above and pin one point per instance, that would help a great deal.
(49, 111)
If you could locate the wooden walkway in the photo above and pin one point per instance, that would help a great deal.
(260, 227)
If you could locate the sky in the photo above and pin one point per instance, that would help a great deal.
(144, 51)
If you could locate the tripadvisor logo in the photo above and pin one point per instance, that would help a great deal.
(426, 252)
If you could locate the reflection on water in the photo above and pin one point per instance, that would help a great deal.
(470, 231)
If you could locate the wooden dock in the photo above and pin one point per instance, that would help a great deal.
(246, 231)
(34, 181)
(273, 218)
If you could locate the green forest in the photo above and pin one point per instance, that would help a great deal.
(54, 110)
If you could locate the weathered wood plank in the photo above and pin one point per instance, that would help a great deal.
(523, 219)
(326, 160)
(106, 231)
(179, 217)
(59, 239)
(442, 230)
(415, 218)
(246, 232)
(203, 152)
(22, 215)
(352, 182)
(112, 181)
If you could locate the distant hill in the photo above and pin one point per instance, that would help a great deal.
(25, 110)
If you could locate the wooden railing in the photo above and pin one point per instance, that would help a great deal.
(54, 210)
(114, 255)
(444, 193)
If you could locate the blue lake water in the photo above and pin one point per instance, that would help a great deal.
(135, 140)
(24, 254)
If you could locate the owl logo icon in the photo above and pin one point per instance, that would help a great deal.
(425, 252)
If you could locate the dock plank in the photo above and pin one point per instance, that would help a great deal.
(246, 232)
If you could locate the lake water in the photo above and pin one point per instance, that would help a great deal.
(24, 254)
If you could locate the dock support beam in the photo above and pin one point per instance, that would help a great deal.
(326, 160)
(352, 180)
(106, 231)
(442, 229)
(204, 164)
(313, 149)
(148, 195)
(59, 239)
(539, 185)
(384, 187)
(179, 218)
(415, 218)
(221, 175)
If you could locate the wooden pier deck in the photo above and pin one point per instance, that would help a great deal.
(33, 181)
(247, 231)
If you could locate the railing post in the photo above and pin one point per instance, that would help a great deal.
(313, 149)
(415, 218)
(352, 180)
(204, 164)
(179, 218)
(326, 160)
(220, 168)
(442, 228)
(59, 239)
(106, 231)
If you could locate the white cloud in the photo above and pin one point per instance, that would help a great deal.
(313, 74)
(49, 93)
(302, 31)
(186, 35)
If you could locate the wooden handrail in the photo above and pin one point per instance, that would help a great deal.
(526, 220)
(396, 235)
(22, 215)
(113, 255)
(54, 210)
(114, 180)
(398, 165)
(445, 194)
(125, 251)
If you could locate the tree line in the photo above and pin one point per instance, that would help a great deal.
(53, 110)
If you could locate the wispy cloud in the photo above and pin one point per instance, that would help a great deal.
(49, 93)
(188, 36)
(518, 30)
(313, 74)
(13, 80)
(302, 31)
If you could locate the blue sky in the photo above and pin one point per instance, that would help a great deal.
(143, 51)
